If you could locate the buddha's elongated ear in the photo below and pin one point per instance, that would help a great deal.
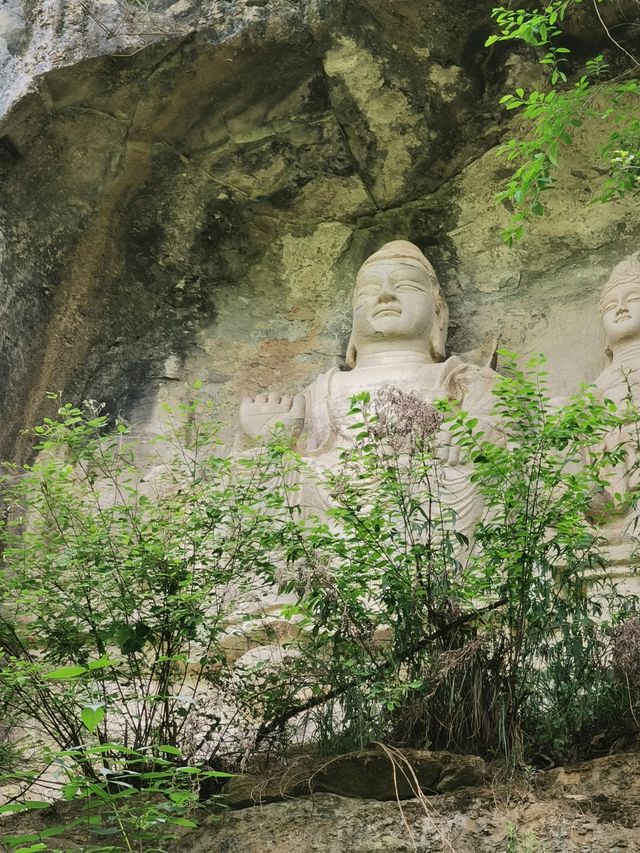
(438, 336)
(352, 352)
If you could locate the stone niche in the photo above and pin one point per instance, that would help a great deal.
(187, 194)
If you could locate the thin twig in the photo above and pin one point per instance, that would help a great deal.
(611, 38)
(110, 33)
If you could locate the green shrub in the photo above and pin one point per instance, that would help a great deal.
(503, 646)
(118, 591)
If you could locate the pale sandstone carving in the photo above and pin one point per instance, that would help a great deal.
(398, 339)
(620, 380)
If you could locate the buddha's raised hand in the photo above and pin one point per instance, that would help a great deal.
(259, 415)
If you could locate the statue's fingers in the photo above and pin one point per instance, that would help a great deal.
(261, 398)
(287, 400)
(298, 406)
(248, 407)
(274, 399)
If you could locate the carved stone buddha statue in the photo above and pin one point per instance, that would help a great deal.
(398, 339)
(620, 380)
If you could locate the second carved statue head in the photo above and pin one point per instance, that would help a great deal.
(398, 305)
(620, 305)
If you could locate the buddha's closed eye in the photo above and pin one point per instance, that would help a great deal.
(615, 306)
(410, 285)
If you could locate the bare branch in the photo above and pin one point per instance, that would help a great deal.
(611, 38)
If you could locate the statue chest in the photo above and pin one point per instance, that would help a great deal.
(411, 379)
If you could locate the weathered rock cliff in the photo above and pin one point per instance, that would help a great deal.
(188, 188)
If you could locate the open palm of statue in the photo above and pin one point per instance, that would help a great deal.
(261, 414)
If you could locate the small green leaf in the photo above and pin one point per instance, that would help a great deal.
(102, 663)
(29, 805)
(117, 748)
(66, 672)
(92, 716)
(211, 774)
(170, 750)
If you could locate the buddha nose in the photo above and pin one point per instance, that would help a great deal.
(388, 292)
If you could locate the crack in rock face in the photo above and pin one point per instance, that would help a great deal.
(198, 187)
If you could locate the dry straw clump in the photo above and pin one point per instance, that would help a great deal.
(626, 651)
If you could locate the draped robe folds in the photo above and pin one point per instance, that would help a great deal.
(619, 382)
(325, 432)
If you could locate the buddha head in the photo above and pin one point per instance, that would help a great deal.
(620, 304)
(398, 305)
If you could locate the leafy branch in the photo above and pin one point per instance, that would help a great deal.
(551, 118)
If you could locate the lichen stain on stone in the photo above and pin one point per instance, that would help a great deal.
(391, 120)
(447, 80)
(283, 336)
(270, 364)
(346, 197)
(308, 262)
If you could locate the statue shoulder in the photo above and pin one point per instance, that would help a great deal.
(618, 382)
(608, 378)
(319, 387)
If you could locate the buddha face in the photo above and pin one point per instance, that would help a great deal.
(621, 313)
(393, 300)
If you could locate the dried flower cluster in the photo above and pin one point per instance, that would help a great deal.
(403, 416)
(312, 572)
